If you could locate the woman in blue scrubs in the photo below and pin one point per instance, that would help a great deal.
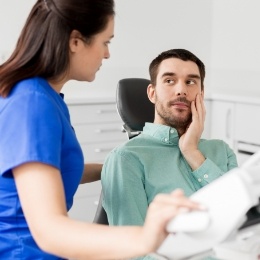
(41, 162)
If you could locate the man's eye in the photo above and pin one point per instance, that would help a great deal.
(170, 81)
(191, 82)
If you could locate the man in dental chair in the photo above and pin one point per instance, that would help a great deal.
(169, 153)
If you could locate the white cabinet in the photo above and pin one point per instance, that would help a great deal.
(222, 121)
(234, 120)
(247, 123)
(98, 128)
(207, 124)
(247, 134)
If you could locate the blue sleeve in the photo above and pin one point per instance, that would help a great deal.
(32, 132)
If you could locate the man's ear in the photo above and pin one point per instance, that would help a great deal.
(151, 93)
(74, 40)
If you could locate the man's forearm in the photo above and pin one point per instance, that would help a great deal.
(194, 158)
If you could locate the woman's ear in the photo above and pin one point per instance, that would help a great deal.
(151, 93)
(74, 41)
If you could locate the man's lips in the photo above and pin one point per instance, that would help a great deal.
(180, 105)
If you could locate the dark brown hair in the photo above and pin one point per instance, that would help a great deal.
(43, 46)
(179, 54)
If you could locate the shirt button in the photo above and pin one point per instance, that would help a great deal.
(199, 180)
(172, 131)
(205, 176)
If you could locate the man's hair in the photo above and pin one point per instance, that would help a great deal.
(43, 46)
(179, 54)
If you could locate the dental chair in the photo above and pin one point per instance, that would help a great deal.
(135, 109)
(133, 105)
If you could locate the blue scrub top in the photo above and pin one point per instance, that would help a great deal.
(34, 126)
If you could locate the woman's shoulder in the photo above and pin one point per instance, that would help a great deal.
(35, 91)
(33, 95)
(29, 86)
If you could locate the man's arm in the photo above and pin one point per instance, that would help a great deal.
(190, 139)
(205, 170)
(122, 180)
(221, 159)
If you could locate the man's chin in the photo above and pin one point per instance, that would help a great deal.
(180, 122)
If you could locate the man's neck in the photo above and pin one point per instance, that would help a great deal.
(180, 131)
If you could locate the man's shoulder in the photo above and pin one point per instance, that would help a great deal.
(213, 142)
(131, 146)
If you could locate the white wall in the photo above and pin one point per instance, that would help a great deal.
(145, 28)
(13, 14)
(224, 34)
(235, 55)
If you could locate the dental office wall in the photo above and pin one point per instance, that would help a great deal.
(224, 34)
(235, 47)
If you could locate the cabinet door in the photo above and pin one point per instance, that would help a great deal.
(247, 124)
(93, 113)
(247, 137)
(207, 124)
(95, 133)
(86, 201)
(222, 121)
(98, 129)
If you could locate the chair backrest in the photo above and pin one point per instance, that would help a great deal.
(101, 215)
(135, 109)
(133, 104)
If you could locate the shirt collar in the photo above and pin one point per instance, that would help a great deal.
(164, 133)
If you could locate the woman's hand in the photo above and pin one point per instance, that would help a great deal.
(163, 208)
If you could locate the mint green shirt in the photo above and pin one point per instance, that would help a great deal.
(152, 163)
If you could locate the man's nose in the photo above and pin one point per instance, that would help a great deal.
(181, 89)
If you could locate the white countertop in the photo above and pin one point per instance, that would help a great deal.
(92, 100)
(233, 98)
(212, 96)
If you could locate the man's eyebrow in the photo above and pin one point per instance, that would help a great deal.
(171, 74)
(193, 76)
(167, 74)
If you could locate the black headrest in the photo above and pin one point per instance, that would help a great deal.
(133, 104)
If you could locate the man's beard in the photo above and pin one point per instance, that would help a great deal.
(178, 122)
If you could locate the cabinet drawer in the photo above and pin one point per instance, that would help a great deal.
(82, 114)
(99, 132)
(85, 201)
(84, 208)
(97, 152)
(247, 127)
(88, 189)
